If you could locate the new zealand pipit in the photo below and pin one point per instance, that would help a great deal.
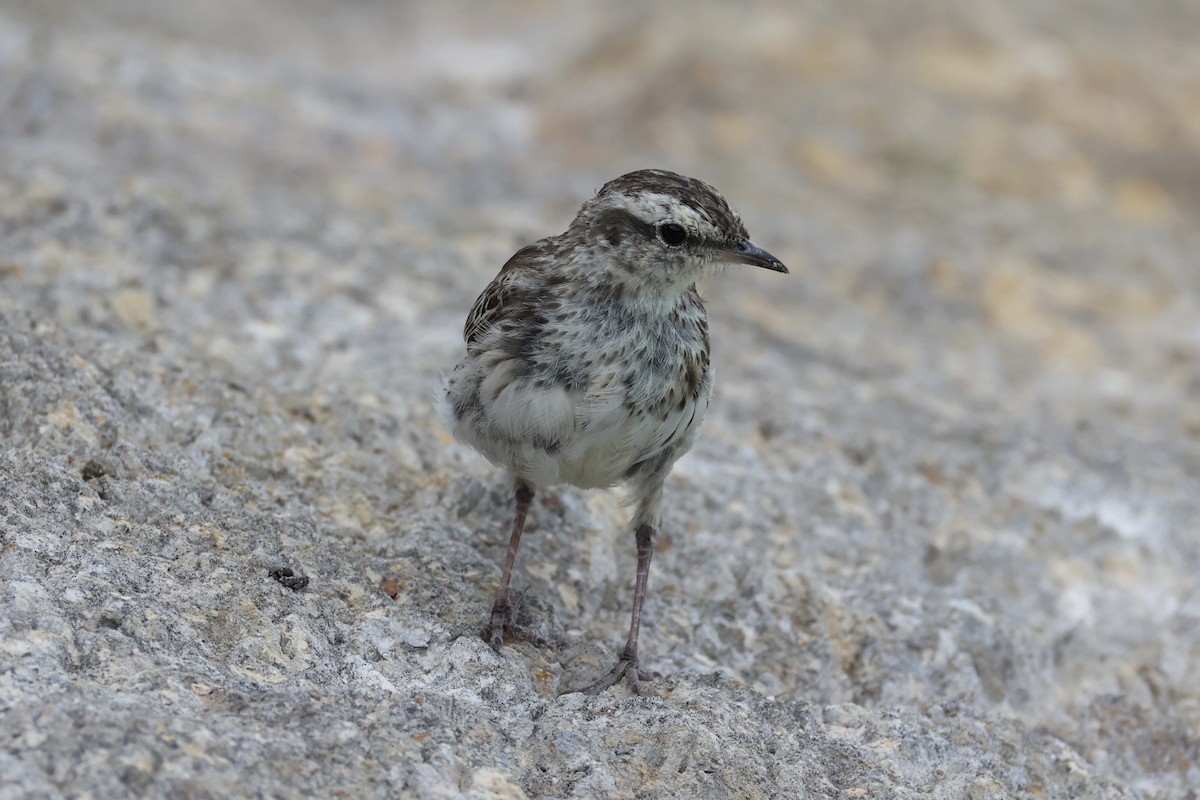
(587, 358)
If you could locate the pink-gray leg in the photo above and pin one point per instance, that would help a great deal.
(502, 607)
(627, 665)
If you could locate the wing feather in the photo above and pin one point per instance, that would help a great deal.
(509, 299)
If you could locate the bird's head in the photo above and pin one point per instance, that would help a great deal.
(660, 231)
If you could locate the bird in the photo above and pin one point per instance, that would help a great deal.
(587, 361)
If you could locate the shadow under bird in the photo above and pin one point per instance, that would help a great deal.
(588, 359)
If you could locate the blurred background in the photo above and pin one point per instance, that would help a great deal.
(1013, 183)
(953, 461)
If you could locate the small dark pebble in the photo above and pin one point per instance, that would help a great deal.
(92, 470)
(297, 583)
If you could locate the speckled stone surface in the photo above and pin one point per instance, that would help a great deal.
(939, 535)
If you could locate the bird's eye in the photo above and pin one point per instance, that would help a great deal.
(671, 234)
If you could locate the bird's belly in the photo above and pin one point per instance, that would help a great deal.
(597, 460)
(622, 427)
(605, 456)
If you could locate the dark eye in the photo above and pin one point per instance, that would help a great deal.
(672, 235)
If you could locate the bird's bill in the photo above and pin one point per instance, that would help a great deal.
(747, 252)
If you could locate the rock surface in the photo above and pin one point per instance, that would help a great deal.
(938, 538)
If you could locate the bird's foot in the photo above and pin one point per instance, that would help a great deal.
(505, 626)
(625, 669)
(503, 618)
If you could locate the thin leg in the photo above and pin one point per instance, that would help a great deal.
(502, 608)
(627, 665)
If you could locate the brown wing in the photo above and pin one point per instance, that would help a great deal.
(509, 297)
(489, 306)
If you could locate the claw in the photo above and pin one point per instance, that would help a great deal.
(503, 620)
(625, 669)
(494, 633)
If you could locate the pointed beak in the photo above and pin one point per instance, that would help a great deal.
(747, 252)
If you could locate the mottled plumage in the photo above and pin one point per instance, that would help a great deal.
(588, 356)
